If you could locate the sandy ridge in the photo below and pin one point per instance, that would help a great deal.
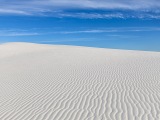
(45, 82)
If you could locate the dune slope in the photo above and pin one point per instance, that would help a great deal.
(49, 82)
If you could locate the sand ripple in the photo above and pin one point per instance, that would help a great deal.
(45, 82)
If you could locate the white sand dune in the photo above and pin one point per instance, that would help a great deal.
(47, 82)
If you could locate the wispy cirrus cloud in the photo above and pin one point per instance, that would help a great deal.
(111, 14)
(110, 30)
(85, 8)
(13, 11)
(16, 32)
(41, 31)
(70, 40)
(89, 4)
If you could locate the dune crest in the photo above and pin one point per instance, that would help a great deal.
(49, 82)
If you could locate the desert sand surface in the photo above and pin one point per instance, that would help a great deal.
(58, 82)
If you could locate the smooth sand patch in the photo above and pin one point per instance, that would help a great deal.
(49, 82)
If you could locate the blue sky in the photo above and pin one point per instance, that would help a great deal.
(117, 24)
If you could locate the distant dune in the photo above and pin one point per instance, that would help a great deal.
(54, 82)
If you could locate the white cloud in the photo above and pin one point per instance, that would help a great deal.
(90, 4)
(15, 32)
(86, 31)
(111, 30)
(91, 15)
(70, 40)
(58, 7)
(34, 32)
(13, 11)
